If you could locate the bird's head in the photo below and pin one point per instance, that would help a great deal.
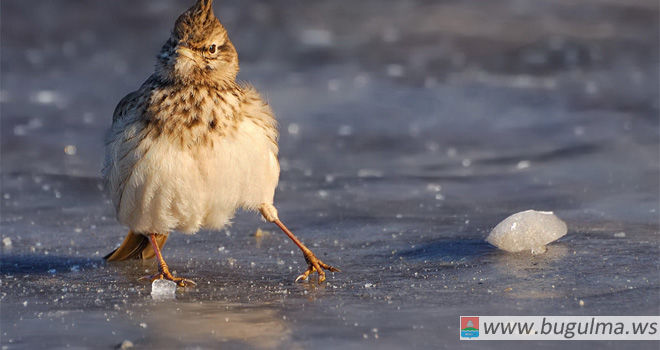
(198, 50)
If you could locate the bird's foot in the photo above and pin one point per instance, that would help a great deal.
(180, 281)
(314, 264)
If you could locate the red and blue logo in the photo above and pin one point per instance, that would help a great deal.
(469, 326)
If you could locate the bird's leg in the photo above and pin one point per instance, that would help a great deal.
(163, 270)
(314, 264)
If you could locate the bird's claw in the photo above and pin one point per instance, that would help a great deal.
(314, 264)
(180, 281)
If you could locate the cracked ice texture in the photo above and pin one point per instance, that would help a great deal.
(527, 230)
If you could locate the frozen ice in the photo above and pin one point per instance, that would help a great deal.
(316, 37)
(126, 344)
(293, 129)
(412, 261)
(70, 150)
(395, 70)
(45, 97)
(345, 130)
(528, 230)
(369, 173)
(6, 242)
(163, 289)
(523, 164)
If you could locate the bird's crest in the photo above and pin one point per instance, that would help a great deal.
(197, 22)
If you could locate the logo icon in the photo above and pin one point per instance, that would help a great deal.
(469, 326)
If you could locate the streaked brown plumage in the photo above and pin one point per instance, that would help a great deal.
(192, 145)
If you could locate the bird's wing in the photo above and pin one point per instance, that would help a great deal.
(135, 99)
(256, 108)
(125, 106)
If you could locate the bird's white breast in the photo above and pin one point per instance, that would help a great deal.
(159, 186)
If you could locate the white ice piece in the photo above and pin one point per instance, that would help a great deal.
(163, 289)
(528, 230)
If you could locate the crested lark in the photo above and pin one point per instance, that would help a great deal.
(192, 145)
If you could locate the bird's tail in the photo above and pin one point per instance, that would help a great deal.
(135, 246)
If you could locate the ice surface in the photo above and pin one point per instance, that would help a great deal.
(528, 230)
(372, 173)
(163, 289)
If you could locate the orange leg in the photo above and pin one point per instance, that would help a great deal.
(163, 270)
(313, 263)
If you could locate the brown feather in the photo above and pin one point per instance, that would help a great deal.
(135, 246)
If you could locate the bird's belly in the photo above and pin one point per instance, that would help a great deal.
(185, 189)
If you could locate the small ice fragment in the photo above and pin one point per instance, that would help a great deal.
(523, 164)
(52, 271)
(293, 129)
(45, 97)
(528, 230)
(6, 242)
(25, 303)
(75, 268)
(144, 325)
(617, 235)
(70, 150)
(162, 289)
(581, 302)
(126, 344)
(368, 285)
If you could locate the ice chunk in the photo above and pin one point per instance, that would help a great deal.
(6, 242)
(163, 289)
(527, 230)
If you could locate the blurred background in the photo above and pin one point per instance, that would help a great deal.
(409, 129)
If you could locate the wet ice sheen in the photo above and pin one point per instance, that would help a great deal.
(528, 230)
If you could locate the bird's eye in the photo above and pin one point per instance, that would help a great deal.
(212, 48)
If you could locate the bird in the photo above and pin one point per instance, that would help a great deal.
(191, 146)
